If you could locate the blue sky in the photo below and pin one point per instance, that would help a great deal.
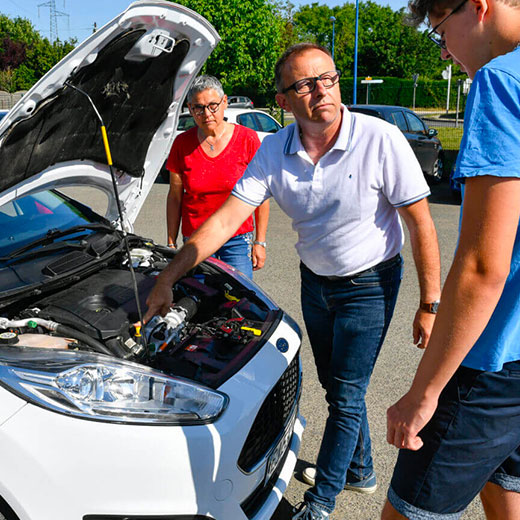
(82, 14)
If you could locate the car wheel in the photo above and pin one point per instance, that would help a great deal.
(437, 171)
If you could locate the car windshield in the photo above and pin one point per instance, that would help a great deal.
(185, 123)
(32, 217)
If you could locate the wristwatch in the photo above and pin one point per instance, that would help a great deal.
(259, 243)
(430, 307)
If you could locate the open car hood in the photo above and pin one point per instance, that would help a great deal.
(136, 70)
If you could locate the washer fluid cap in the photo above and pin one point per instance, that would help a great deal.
(8, 338)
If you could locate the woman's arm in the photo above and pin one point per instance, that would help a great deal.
(173, 208)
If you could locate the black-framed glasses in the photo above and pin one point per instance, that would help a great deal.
(437, 38)
(306, 85)
(199, 110)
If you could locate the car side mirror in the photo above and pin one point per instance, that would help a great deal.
(432, 132)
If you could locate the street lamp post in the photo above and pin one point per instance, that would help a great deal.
(333, 20)
(356, 52)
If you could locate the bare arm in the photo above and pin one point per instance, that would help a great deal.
(425, 248)
(471, 292)
(215, 232)
(173, 207)
(261, 221)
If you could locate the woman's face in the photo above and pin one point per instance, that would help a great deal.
(207, 108)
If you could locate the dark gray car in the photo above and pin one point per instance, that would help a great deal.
(423, 140)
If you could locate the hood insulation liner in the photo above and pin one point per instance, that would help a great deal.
(131, 96)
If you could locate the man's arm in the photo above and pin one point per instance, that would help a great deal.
(425, 248)
(215, 232)
(471, 292)
(261, 221)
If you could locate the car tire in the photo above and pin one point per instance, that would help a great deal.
(436, 172)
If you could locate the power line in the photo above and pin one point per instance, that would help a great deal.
(53, 15)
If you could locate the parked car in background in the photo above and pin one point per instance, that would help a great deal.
(263, 124)
(423, 140)
(195, 414)
(240, 102)
(3, 113)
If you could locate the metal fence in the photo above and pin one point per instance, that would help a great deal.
(8, 100)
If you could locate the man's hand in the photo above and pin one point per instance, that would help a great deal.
(258, 256)
(159, 301)
(406, 418)
(422, 328)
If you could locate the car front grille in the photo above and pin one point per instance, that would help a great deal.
(272, 417)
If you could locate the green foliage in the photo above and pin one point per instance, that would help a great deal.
(252, 40)
(396, 91)
(40, 54)
(386, 46)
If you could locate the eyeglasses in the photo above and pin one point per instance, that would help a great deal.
(437, 38)
(199, 110)
(307, 85)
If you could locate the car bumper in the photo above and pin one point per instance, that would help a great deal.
(63, 468)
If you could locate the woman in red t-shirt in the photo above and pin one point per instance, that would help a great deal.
(204, 163)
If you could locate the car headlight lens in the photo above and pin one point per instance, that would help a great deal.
(99, 387)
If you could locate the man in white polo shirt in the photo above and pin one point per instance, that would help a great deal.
(344, 179)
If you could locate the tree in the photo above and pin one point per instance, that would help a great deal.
(386, 46)
(252, 40)
(24, 55)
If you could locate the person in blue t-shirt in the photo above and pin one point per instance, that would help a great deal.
(458, 427)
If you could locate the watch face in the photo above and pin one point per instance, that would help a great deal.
(434, 307)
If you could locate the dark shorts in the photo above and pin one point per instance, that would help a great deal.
(473, 438)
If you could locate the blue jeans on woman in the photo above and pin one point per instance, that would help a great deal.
(346, 320)
(237, 252)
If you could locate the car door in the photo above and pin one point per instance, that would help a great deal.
(423, 145)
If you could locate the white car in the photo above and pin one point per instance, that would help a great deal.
(263, 124)
(193, 416)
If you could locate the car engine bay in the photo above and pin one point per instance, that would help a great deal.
(214, 327)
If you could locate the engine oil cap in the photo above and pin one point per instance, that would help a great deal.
(8, 338)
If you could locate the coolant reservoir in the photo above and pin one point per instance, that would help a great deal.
(43, 341)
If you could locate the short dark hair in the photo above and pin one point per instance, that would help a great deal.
(299, 48)
(421, 9)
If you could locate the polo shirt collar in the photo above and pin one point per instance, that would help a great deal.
(293, 143)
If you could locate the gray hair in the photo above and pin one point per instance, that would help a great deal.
(202, 83)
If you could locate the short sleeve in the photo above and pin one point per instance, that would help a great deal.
(491, 141)
(403, 179)
(252, 187)
(172, 164)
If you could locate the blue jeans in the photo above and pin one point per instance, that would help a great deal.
(237, 252)
(346, 321)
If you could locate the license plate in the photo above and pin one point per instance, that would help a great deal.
(281, 447)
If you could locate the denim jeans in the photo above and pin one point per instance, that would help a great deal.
(346, 321)
(237, 252)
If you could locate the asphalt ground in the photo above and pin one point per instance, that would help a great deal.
(394, 369)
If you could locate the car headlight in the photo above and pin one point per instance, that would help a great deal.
(93, 386)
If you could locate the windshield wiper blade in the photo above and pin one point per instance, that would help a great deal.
(53, 234)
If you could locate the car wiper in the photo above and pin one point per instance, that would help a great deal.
(54, 234)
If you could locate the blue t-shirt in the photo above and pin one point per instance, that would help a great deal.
(491, 146)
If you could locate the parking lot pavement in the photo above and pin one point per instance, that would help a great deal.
(394, 369)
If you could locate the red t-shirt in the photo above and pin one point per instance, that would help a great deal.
(208, 181)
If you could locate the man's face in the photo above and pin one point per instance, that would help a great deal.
(462, 34)
(322, 105)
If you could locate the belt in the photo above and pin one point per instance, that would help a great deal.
(378, 267)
